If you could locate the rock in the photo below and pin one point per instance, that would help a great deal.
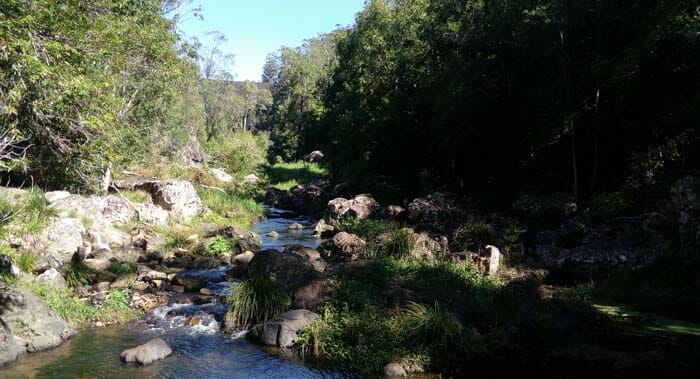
(97, 264)
(147, 353)
(311, 255)
(191, 283)
(438, 212)
(249, 242)
(282, 331)
(194, 320)
(314, 156)
(361, 207)
(313, 294)
(34, 326)
(221, 175)
(394, 370)
(179, 197)
(149, 301)
(52, 278)
(321, 229)
(102, 287)
(251, 179)
(684, 206)
(243, 259)
(295, 226)
(8, 349)
(8, 265)
(54, 196)
(302, 197)
(206, 292)
(175, 288)
(289, 270)
(56, 244)
(393, 212)
(343, 247)
(207, 262)
(126, 281)
(273, 234)
(493, 256)
(152, 214)
(106, 209)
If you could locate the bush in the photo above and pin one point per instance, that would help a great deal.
(219, 246)
(255, 300)
(240, 153)
(397, 243)
(78, 274)
(123, 268)
(229, 208)
(474, 235)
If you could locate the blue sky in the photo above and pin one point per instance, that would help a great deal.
(255, 28)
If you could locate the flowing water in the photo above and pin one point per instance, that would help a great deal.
(199, 351)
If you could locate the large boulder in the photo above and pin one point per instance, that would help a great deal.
(249, 242)
(179, 197)
(283, 330)
(313, 256)
(437, 212)
(56, 244)
(221, 175)
(8, 349)
(313, 294)
(107, 209)
(152, 214)
(52, 278)
(147, 353)
(33, 325)
(343, 247)
(289, 270)
(314, 156)
(360, 207)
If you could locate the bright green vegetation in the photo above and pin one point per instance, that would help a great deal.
(24, 213)
(123, 268)
(284, 176)
(136, 196)
(255, 300)
(177, 238)
(240, 154)
(78, 274)
(647, 323)
(219, 246)
(230, 208)
(79, 314)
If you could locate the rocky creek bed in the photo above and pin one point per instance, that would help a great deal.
(193, 331)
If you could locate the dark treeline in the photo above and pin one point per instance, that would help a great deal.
(575, 96)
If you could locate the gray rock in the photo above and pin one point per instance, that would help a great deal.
(289, 270)
(493, 256)
(8, 265)
(56, 244)
(221, 175)
(273, 234)
(243, 259)
(314, 156)
(394, 370)
(52, 278)
(107, 209)
(34, 326)
(179, 197)
(282, 331)
(361, 207)
(435, 212)
(313, 294)
(343, 247)
(8, 349)
(251, 179)
(147, 353)
(249, 242)
(152, 214)
(322, 229)
(55, 196)
(295, 226)
(313, 256)
(97, 264)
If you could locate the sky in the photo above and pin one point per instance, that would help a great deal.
(255, 28)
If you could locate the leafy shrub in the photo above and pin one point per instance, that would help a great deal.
(219, 246)
(367, 229)
(257, 299)
(474, 235)
(78, 274)
(240, 153)
(123, 268)
(607, 206)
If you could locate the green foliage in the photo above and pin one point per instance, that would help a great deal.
(397, 243)
(79, 314)
(219, 246)
(240, 153)
(230, 208)
(137, 196)
(284, 176)
(78, 274)
(177, 238)
(606, 206)
(123, 268)
(434, 327)
(474, 236)
(257, 299)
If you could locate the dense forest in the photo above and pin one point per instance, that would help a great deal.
(444, 187)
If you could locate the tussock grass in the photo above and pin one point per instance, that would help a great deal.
(255, 300)
(284, 176)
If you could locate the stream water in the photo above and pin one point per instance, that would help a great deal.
(200, 351)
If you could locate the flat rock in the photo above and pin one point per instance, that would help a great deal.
(282, 331)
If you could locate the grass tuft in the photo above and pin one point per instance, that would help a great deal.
(255, 300)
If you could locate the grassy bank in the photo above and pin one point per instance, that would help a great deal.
(284, 176)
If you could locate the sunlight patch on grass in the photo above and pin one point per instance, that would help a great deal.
(647, 323)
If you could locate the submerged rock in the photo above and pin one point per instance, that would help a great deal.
(147, 353)
(282, 331)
